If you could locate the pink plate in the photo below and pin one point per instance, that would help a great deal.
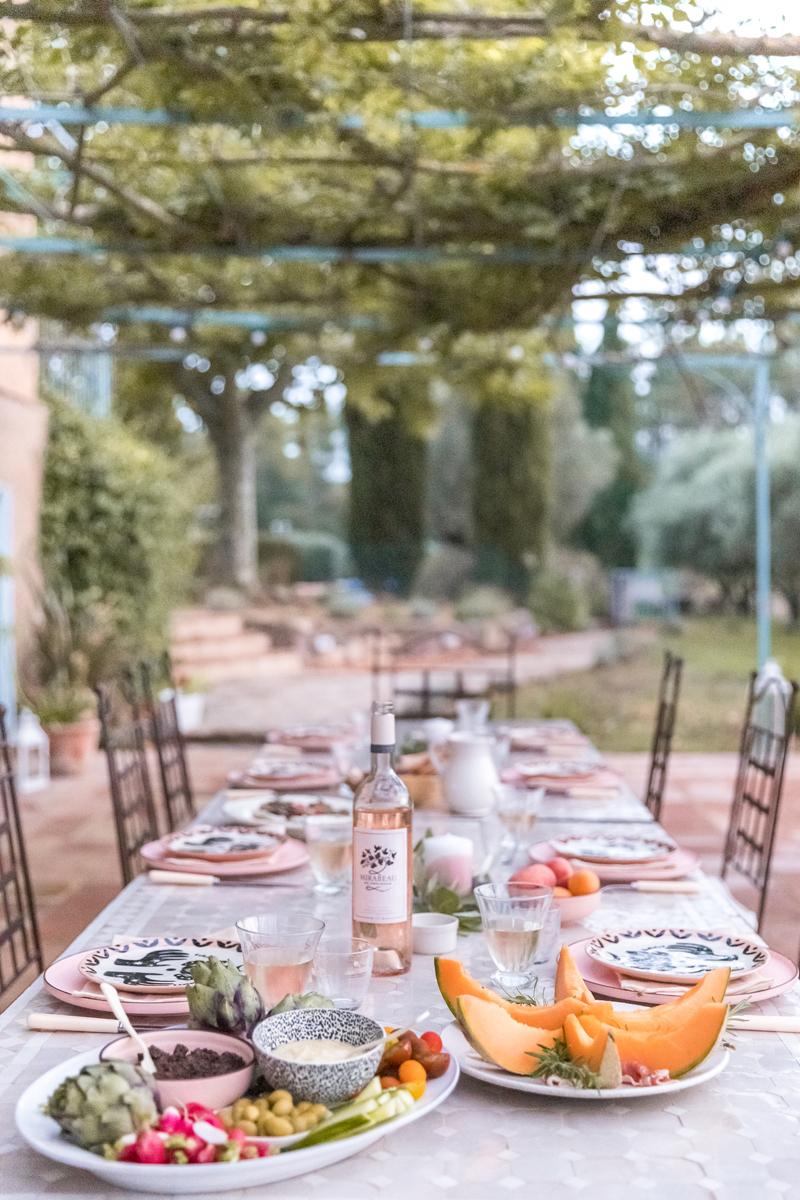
(290, 855)
(321, 781)
(63, 978)
(676, 865)
(603, 982)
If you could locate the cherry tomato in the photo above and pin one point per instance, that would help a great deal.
(411, 1070)
(416, 1087)
(433, 1040)
(389, 1081)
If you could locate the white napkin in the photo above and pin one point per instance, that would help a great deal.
(740, 987)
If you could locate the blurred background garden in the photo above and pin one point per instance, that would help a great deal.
(356, 320)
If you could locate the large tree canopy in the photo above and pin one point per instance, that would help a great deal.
(306, 172)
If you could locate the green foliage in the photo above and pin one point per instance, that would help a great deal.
(557, 602)
(482, 604)
(387, 493)
(609, 403)
(114, 544)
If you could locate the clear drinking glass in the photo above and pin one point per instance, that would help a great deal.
(549, 942)
(472, 714)
(278, 952)
(342, 970)
(517, 809)
(329, 841)
(513, 917)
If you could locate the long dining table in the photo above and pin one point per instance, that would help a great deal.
(734, 1137)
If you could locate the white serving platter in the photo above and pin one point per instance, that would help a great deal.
(472, 1064)
(44, 1135)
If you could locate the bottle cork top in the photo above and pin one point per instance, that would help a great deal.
(382, 729)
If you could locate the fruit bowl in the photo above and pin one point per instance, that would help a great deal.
(321, 1083)
(575, 909)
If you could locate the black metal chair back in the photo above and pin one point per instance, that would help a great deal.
(759, 781)
(20, 945)
(123, 739)
(439, 687)
(664, 727)
(167, 738)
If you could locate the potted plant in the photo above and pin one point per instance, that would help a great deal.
(67, 717)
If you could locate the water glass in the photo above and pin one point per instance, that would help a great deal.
(278, 952)
(517, 809)
(549, 942)
(513, 917)
(342, 970)
(472, 714)
(329, 841)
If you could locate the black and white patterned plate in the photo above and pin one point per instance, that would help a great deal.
(676, 955)
(160, 965)
(612, 848)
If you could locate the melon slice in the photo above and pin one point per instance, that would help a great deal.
(454, 981)
(569, 981)
(677, 1049)
(710, 989)
(500, 1039)
(585, 1048)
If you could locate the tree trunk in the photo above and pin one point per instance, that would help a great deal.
(232, 434)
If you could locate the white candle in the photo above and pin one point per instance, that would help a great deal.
(448, 858)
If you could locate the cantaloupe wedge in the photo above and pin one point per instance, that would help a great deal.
(710, 989)
(500, 1039)
(678, 1048)
(585, 1048)
(569, 981)
(455, 981)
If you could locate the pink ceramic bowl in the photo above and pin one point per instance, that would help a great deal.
(576, 908)
(215, 1092)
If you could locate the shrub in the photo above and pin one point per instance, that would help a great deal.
(114, 541)
(557, 602)
(483, 604)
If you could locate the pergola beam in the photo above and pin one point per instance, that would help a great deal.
(742, 118)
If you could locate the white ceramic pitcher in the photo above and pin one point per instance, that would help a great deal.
(466, 765)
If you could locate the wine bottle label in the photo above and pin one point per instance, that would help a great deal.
(380, 875)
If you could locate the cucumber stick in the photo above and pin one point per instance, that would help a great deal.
(341, 1129)
(359, 1115)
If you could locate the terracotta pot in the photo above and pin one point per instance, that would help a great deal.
(70, 745)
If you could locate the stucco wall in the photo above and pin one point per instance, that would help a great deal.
(23, 435)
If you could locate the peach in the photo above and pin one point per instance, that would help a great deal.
(561, 868)
(537, 873)
(583, 883)
(561, 893)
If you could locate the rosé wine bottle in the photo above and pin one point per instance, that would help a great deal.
(382, 854)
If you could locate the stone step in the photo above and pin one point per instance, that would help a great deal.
(189, 624)
(220, 649)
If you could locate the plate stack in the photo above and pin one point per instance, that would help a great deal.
(620, 857)
(151, 972)
(651, 966)
(228, 851)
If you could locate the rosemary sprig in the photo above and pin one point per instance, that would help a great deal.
(555, 1060)
(524, 997)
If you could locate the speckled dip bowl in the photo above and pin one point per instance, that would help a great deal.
(319, 1083)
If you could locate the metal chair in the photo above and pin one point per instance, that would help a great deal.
(167, 738)
(767, 730)
(666, 713)
(20, 945)
(427, 651)
(131, 794)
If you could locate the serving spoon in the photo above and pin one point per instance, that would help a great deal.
(115, 1004)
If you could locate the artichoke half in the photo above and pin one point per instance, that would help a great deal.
(222, 997)
(301, 1000)
(103, 1103)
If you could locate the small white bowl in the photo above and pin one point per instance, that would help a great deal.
(434, 933)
